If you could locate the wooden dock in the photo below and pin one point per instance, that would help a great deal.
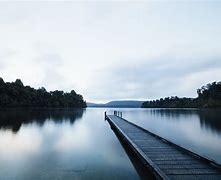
(163, 158)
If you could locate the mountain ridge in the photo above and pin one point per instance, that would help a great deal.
(118, 103)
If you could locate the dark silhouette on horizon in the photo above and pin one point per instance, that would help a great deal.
(15, 94)
(118, 104)
(209, 96)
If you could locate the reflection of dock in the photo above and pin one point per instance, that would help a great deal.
(164, 159)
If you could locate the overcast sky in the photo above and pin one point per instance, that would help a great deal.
(107, 51)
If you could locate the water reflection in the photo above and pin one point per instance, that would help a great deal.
(12, 119)
(79, 144)
(209, 118)
(172, 113)
(60, 144)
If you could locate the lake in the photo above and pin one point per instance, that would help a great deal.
(79, 143)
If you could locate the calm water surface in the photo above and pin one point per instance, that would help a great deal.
(79, 144)
(60, 144)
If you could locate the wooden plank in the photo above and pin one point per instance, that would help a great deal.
(146, 138)
(160, 149)
(144, 143)
(190, 171)
(183, 166)
(195, 177)
(163, 152)
(140, 133)
(169, 157)
(164, 158)
(172, 162)
(152, 141)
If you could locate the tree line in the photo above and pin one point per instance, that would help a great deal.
(209, 96)
(15, 94)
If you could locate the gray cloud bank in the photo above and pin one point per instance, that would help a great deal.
(154, 79)
(108, 51)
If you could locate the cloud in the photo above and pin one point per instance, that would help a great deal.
(111, 50)
(52, 78)
(155, 79)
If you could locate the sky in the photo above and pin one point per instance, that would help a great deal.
(112, 50)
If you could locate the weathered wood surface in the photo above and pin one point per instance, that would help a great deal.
(165, 159)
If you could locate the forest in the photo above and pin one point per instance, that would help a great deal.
(209, 96)
(15, 94)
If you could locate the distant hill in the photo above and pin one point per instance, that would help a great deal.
(121, 104)
(89, 104)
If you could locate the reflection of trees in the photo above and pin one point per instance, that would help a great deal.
(209, 118)
(13, 118)
(173, 113)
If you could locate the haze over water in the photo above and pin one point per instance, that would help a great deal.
(76, 143)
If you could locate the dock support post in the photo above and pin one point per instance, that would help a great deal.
(118, 113)
(105, 115)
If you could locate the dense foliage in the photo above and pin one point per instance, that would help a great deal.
(209, 96)
(15, 94)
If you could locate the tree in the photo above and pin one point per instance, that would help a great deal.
(19, 82)
(209, 96)
(15, 94)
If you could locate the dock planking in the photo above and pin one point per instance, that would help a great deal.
(163, 158)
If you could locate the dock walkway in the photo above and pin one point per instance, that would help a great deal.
(163, 158)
